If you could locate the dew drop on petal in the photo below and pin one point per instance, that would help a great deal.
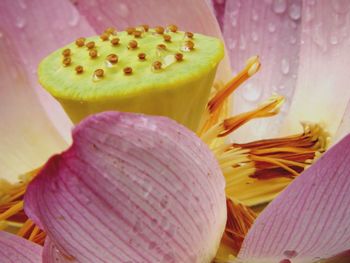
(279, 6)
(333, 40)
(294, 11)
(74, 19)
(251, 92)
(285, 66)
(20, 22)
(123, 10)
(271, 27)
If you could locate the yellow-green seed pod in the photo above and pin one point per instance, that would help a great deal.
(178, 89)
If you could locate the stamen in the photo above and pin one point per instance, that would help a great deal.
(110, 31)
(79, 69)
(132, 44)
(189, 45)
(115, 41)
(80, 42)
(179, 56)
(159, 30)
(90, 45)
(252, 66)
(127, 70)
(141, 56)
(239, 220)
(172, 28)
(66, 52)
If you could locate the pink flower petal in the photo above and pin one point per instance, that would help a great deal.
(131, 188)
(32, 123)
(270, 29)
(311, 218)
(194, 15)
(14, 249)
(323, 92)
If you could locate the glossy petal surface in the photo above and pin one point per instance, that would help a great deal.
(310, 220)
(131, 188)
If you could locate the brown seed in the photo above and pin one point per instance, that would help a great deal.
(130, 30)
(157, 65)
(93, 53)
(67, 61)
(104, 37)
(112, 58)
(80, 42)
(137, 33)
(99, 73)
(167, 38)
(66, 52)
(90, 45)
(189, 44)
(145, 27)
(161, 47)
(110, 31)
(159, 30)
(79, 69)
(189, 34)
(142, 56)
(172, 28)
(179, 56)
(115, 41)
(132, 44)
(127, 70)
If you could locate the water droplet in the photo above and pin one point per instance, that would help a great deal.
(20, 22)
(123, 10)
(293, 40)
(22, 4)
(232, 43)
(294, 11)
(251, 92)
(285, 66)
(271, 27)
(242, 42)
(279, 6)
(333, 40)
(74, 19)
(255, 15)
(341, 6)
(254, 36)
(168, 60)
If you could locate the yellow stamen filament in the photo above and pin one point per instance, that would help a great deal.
(127, 70)
(269, 108)
(132, 44)
(252, 66)
(157, 65)
(167, 38)
(189, 44)
(141, 56)
(159, 30)
(145, 27)
(79, 69)
(137, 33)
(130, 30)
(80, 42)
(90, 45)
(189, 34)
(66, 52)
(239, 220)
(179, 56)
(115, 41)
(104, 36)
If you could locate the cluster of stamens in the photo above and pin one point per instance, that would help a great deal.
(110, 36)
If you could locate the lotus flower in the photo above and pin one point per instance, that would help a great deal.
(307, 209)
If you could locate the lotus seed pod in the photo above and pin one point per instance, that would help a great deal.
(179, 89)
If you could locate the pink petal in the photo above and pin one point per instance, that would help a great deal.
(323, 92)
(14, 249)
(33, 125)
(270, 29)
(131, 188)
(311, 218)
(194, 15)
